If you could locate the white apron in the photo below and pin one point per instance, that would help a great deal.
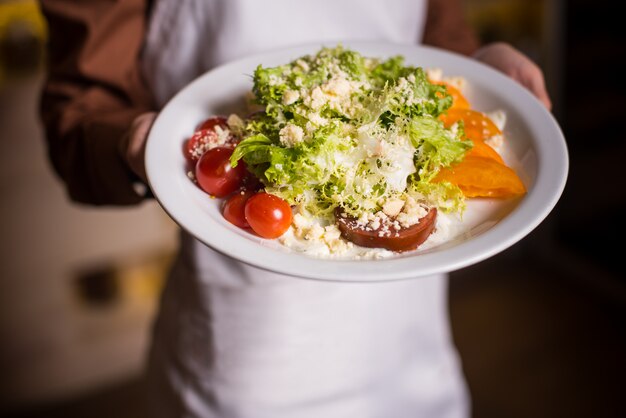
(233, 341)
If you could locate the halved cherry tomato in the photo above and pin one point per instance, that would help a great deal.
(216, 176)
(199, 143)
(206, 137)
(268, 215)
(214, 121)
(234, 209)
(478, 126)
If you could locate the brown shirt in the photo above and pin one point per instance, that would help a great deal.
(94, 88)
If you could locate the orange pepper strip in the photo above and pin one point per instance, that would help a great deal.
(482, 149)
(458, 100)
(478, 126)
(483, 177)
(482, 173)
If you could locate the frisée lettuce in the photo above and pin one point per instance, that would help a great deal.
(343, 130)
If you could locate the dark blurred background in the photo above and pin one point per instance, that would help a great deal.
(540, 327)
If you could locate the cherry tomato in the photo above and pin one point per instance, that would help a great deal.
(234, 209)
(206, 137)
(211, 123)
(268, 215)
(216, 176)
(200, 142)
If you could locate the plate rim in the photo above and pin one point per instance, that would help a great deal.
(479, 247)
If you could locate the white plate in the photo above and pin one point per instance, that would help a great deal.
(535, 147)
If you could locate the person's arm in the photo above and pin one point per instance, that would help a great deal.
(92, 94)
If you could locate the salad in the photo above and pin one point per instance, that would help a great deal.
(351, 156)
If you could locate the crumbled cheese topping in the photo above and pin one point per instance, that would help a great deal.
(315, 235)
(337, 87)
(396, 214)
(392, 207)
(209, 140)
(290, 135)
(274, 80)
(434, 74)
(336, 93)
(316, 119)
(235, 123)
(290, 97)
(315, 232)
(316, 99)
(412, 212)
(304, 66)
(378, 222)
(223, 134)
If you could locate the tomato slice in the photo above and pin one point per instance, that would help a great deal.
(268, 215)
(234, 208)
(404, 239)
(216, 176)
(478, 126)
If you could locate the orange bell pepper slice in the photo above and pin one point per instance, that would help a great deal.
(482, 149)
(482, 173)
(483, 177)
(458, 100)
(478, 126)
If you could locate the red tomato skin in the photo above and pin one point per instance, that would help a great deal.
(212, 122)
(198, 144)
(205, 137)
(216, 176)
(234, 209)
(268, 215)
(405, 239)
